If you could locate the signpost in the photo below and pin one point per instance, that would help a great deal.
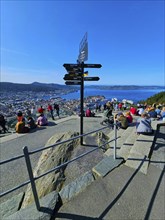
(72, 77)
(77, 76)
(69, 66)
(95, 78)
(72, 83)
(83, 49)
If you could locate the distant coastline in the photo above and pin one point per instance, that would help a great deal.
(135, 95)
(125, 87)
(45, 87)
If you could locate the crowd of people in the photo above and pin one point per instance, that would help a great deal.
(119, 112)
(31, 118)
(125, 115)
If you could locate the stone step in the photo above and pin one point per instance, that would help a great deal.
(126, 133)
(137, 154)
(122, 135)
(127, 145)
(138, 157)
(106, 165)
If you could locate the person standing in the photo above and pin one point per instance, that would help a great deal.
(50, 109)
(41, 110)
(34, 113)
(57, 108)
(3, 123)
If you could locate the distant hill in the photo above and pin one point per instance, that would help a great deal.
(39, 87)
(157, 99)
(35, 86)
(124, 87)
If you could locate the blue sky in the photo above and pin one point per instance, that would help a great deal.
(126, 37)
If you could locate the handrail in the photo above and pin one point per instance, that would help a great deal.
(11, 159)
(54, 145)
(29, 167)
(71, 139)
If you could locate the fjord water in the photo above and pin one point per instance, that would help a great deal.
(134, 95)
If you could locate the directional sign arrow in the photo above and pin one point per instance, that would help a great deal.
(73, 75)
(91, 78)
(92, 65)
(73, 83)
(72, 78)
(70, 65)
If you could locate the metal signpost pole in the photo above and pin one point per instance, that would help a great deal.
(115, 144)
(82, 102)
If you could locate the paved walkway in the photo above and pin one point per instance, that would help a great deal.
(123, 194)
(15, 172)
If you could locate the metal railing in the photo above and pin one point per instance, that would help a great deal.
(27, 153)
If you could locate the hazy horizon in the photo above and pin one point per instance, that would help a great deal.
(88, 84)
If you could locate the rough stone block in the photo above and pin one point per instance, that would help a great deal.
(47, 203)
(105, 166)
(11, 206)
(76, 186)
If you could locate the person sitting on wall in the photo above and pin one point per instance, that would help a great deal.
(143, 125)
(19, 116)
(123, 122)
(162, 114)
(31, 123)
(21, 127)
(129, 117)
(88, 112)
(152, 113)
(140, 110)
(42, 120)
(133, 110)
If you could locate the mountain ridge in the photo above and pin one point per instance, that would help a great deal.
(37, 86)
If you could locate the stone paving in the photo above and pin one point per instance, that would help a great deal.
(123, 193)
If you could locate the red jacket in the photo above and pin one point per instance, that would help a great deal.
(50, 108)
(41, 110)
(88, 113)
(133, 110)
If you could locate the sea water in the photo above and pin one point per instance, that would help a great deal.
(134, 95)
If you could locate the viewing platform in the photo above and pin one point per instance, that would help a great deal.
(128, 187)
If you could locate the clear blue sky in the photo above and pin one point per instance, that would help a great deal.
(126, 37)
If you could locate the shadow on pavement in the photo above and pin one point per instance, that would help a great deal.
(154, 196)
(103, 214)
(74, 217)
(122, 191)
(51, 123)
